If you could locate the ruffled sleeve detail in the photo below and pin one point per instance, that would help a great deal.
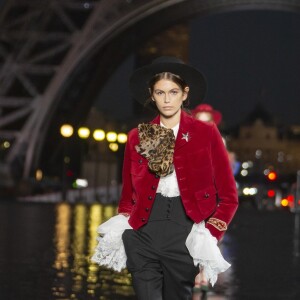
(110, 250)
(205, 252)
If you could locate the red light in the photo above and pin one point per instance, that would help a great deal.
(70, 173)
(290, 198)
(272, 176)
(271, 193)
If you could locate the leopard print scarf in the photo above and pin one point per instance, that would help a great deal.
(157, 146)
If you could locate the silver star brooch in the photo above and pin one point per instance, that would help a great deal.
(185, 136)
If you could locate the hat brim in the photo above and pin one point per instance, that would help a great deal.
(217, 117)
(195, 80)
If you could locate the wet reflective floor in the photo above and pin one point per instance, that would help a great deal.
(45, 251)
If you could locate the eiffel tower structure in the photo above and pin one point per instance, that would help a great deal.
(55, 55)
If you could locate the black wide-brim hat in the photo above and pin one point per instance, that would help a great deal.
(139, 80)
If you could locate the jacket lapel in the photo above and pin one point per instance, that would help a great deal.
(156, 120)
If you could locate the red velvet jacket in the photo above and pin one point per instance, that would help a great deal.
(207, 186)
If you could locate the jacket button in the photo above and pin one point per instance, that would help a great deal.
(150, 197)
(147, 209)
(143, 220)
(133, 201)
(140, 161)
(153, 187)
(156, 176)
(206, 195)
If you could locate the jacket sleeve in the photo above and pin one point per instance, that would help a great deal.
(225, 184)
(125, 203)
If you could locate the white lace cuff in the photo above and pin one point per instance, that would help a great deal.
(110, 250)
(205, 252)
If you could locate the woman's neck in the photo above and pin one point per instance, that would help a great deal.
(170, 121)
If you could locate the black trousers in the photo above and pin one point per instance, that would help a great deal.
(157, 258)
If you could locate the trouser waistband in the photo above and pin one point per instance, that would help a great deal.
(169, 208)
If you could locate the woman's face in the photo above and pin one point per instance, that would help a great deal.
(168, 97)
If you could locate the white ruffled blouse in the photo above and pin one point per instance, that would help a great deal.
(201, 244)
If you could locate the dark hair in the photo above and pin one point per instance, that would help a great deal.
(168, 76)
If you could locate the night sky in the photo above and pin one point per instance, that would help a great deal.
(248, 57)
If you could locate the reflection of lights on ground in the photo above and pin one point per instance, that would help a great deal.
(123, 284)
(78, 247)
(62, 238)
(95, 219)
(62, 247)
(108, 212)
(67, 233)
(76, 238)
